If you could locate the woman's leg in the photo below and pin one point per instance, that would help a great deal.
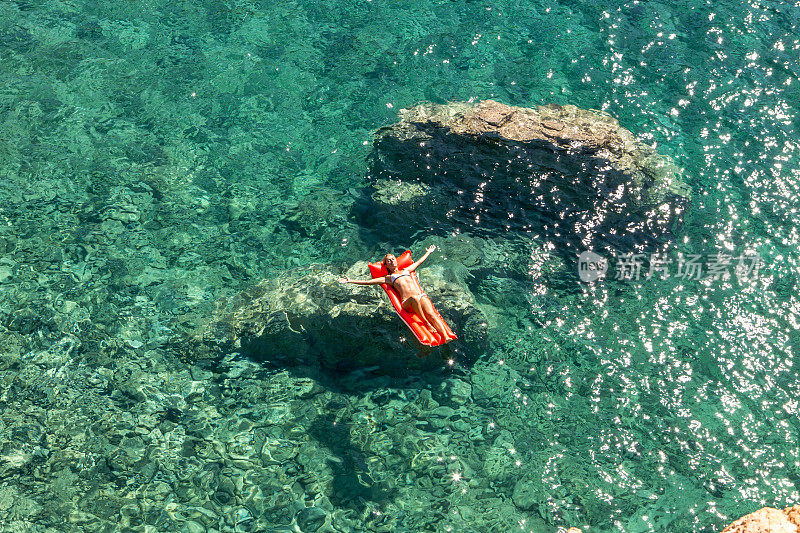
(412, 303)
(433, 316)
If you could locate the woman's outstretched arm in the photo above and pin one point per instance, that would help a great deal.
(373, 281)
(419, 261)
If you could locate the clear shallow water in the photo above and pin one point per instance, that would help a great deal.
(152, 154)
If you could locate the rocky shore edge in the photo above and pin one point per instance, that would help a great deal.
(768, 520)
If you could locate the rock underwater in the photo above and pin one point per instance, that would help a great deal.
(473, 176)
(312, 318)
(566, 175)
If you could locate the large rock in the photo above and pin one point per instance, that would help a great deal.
(768, 520)
(311, 317)
(567, 175)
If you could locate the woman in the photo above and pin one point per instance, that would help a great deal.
(411, 298)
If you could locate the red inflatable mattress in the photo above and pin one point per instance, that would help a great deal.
(417, 326)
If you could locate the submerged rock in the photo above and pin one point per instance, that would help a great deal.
(312, 317)
(525, 495)
(315, 211)
(567, 175)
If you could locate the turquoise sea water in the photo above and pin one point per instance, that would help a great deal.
(158, 158)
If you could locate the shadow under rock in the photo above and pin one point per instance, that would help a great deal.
(402, 370)
(353, 484)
